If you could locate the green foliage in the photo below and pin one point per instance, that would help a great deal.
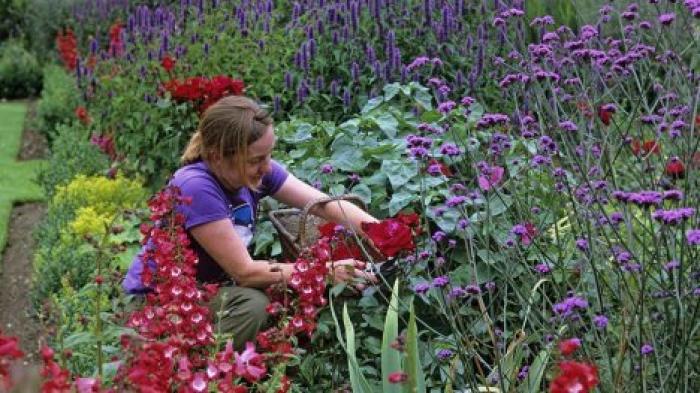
(20, 73)
(17, 183)
(11, 13)
(72, 154)
(59, 98)
(85, 208)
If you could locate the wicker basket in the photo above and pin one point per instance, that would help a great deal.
(298, 229)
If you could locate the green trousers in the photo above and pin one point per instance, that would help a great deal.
(241, 312)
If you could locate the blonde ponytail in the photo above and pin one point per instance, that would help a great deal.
(193, 151)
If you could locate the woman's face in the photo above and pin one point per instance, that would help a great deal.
(256, 165)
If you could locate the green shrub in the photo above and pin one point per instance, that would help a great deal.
(72, 154)
(59, 98)
(20, 74)
(11, 15)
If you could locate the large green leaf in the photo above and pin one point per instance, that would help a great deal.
(416, 378)
(348, 159)
(391, 358)
(357, 381)
(362, 191)
(399, 172)
(400, 200)
(387, 123)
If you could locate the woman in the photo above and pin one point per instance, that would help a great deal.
(227, 168)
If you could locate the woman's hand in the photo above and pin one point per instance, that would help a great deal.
(350, 271)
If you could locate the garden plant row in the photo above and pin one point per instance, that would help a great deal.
(535, 165)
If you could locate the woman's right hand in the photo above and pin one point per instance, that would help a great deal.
(349, 271)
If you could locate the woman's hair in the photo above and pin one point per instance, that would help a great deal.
(226, 129)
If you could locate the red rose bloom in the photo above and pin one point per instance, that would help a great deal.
(82, 114)
(567, 347)
(574, 377)
(675, 168)
(604, 116)
(390, 236)
(168, 63)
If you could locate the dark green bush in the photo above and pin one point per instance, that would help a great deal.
(20, 73)
(11, 15)
(59, 98)
(72, 154)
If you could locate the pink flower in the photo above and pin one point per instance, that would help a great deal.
(495, 176)
(398, 377)
(87, 385)
(250, 364)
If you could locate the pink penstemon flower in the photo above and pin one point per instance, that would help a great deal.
(491, 179)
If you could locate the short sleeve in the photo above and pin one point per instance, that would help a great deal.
(273, 180)
(208, 202)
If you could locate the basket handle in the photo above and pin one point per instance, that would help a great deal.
(301, 233)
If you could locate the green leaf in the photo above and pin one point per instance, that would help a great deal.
(337, 189)
(399, 172)
(477, 111)
(390, 91)
(387, 123)
(416, 377)
(297, 153)
(391, 358)
(348, 159)
(400, 200)
(425, 100)
(357, 380)
(362, 191)
(351, 126)
(372, 104)
(263, 236)
(536, 372)
(302, 134)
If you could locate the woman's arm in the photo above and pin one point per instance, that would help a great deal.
(296, 193)
(223, 243)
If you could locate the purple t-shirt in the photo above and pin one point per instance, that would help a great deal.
(211, 201)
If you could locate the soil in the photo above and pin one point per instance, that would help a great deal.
(17, 259)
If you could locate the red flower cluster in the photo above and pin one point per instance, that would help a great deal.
(675, 168)
(569, 346)
(116, 45)
(56, 379)
(574, 377)
(341, 246)
(105, 143)
(168, 63)
(82, 114)
(393, 235)
(202, 92)
(67, 48)
(9, 352)
(647, 147)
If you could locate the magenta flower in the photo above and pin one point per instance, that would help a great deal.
(495, 175)
(250, 364)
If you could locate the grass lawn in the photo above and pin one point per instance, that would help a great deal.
(17, 178)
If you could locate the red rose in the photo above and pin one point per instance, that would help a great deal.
(567, 347)
(575, 377)
(604, 116)
(390, 236)
(82, 114)
(168, 63)
(675, 168)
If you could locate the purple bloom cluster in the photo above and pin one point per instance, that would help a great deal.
(418, 145)
(673, 217)
(693, 237)
(492, 119)
(570, 305)
(641, 198)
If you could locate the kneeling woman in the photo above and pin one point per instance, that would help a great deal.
(227, 168)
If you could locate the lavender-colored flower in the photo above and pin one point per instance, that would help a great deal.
(568, 126)
(439, 236)
(667, 19)
(446, 107)
(582, 244)
(542, 268)
(490, 286)
(327, 168)
(671, 265)
(441, 281)
(473, 289)
(462, 224)
(600, 321)
(421, 288)
(693, 237)
(646, 349)
(444, 354)
(457, 292)
(570, 305)
(522, 374)
(457, 200)
(673, 217)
